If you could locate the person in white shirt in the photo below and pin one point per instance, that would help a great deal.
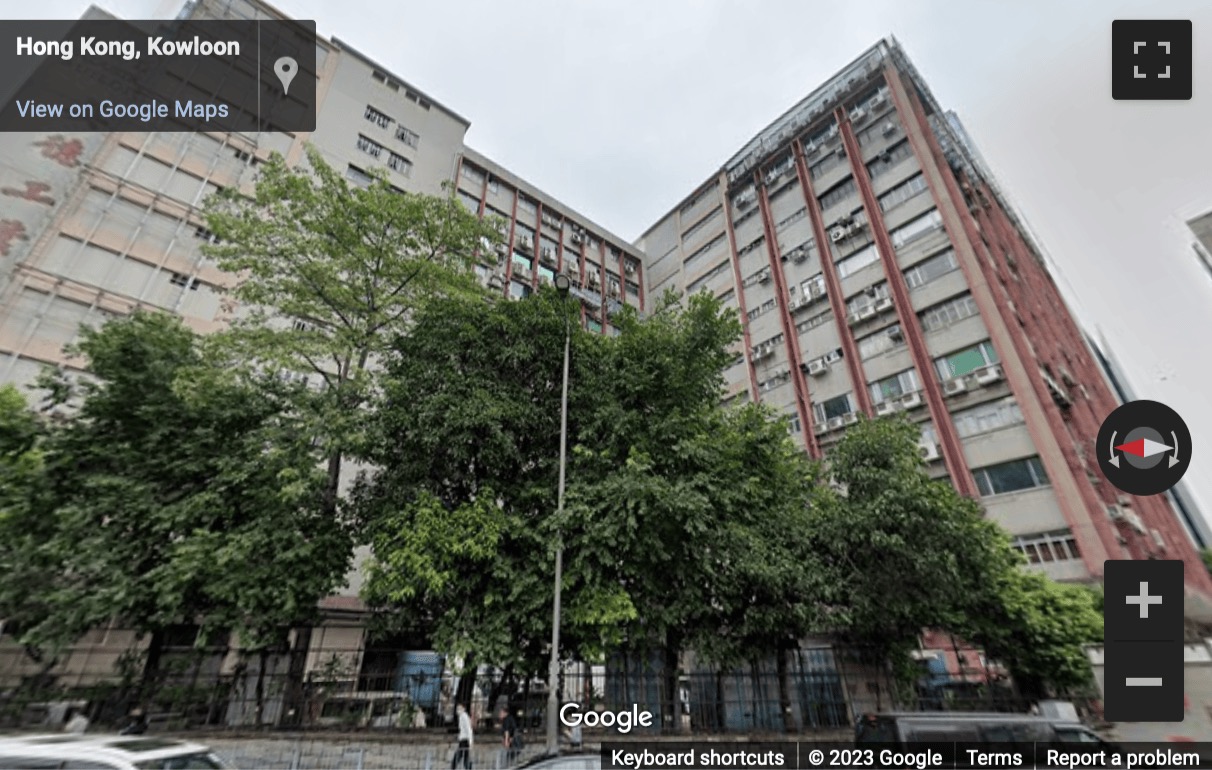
(466, 738)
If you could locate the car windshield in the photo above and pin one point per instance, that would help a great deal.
(200, 761)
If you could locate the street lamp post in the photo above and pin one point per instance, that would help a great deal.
(563, 284)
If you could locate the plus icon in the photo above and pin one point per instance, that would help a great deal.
(1144, 600)
(1150, 59)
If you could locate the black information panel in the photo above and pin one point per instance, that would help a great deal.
(114, 75)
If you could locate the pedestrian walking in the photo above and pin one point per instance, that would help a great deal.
(466, 739)
(510, 737)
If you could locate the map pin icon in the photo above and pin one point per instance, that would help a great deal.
(285, 68)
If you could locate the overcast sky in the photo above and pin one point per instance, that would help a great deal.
(620, 107)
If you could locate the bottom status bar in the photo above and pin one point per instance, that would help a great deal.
(791, 755)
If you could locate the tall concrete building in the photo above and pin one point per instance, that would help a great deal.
(878, 269)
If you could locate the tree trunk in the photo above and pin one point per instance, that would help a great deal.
(721, 708)
(789, 725)
(293, 692)
(498, 688)
(672, 705)
(467, 685)
(148, 684)
(262, 662)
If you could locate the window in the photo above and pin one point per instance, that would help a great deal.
(858, 260)
(180, 279)
(766, 307)
(369, 146)
(793, 425)
(702, 252)
(892, 388)
(916, 228)
(880, 342)
(987, 417)
(962, 362)
(877, 130)
(926, 271)
(755, 243)
(472, 174)
(379, 76)
(410, 138)
(830, 161)
(865, 299)
(814, 286)
(839, 406)
(702, 223)
(203, 234)
(837, 194)
(470, 202)
(902, 192)
(378, 118)
(888, 159)
(1042, 547)
(789, 221)
(518, 290)
(593, 325)
(1013, 476)
(633, 289)
(358, 176)
(947, 313)
(527, 205)
(712, 273)
(727, 297)
(399, 163)
(814, 321)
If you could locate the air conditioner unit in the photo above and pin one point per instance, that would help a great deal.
(524, 244)
(594, 279)
(545, 279)
(885, 408)
(854, 318)
(858, 114)
(989, 376)
(1115, 512)
(869, 312)
(819, 428)
(570, 267)
(840, 151)
(882, 304)
(794, 305)
(878, 100)
(799, 255)
(955, 387)
(911, 400)
(928, 450)
(502, 248)
(1158, 540)
(629, 268)
(614, 289)
(1133, 519)
(838, 234)
(1123, 500)
(520, 271)
(895, 333)
(817, 367)
(578, 239)
(889, 127)
(834, 423)
(810, 148)
(496, 281)
(548, 254)
(850, 418)
(764, 276)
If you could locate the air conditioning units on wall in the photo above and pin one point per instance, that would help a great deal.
(817, 367)
(928, 450)
(955, 387)
(885, 408)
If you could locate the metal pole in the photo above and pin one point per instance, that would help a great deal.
(553, 673)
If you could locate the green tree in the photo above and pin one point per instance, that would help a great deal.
(904, 552)
(27, 560)
(1039, 629)
(464, 440)
(329, 273)
(182, 495)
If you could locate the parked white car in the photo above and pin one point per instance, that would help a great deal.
(104, 752)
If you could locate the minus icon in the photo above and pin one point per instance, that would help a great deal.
(1143, 681)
